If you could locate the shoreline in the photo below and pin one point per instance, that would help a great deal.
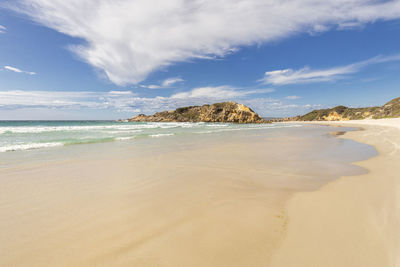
(219, 200)
(353, 220)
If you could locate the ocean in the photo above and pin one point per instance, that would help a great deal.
(29, 135)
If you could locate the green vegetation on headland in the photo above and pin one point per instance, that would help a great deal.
(218, 112)
(342, 113)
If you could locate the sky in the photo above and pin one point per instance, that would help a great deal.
(101, 59)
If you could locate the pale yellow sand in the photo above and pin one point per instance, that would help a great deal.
(219, 205)
(209, 206)
(353, 221)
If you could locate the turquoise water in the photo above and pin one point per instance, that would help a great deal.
(28, 135)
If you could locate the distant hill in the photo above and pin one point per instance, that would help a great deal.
(340, 113)
(218, 112)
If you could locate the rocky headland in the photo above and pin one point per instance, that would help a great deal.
(342, 113)
(218, 112)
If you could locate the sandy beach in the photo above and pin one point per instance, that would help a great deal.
(209, 200)
(243, 198)
(353, 221)
(202, 133)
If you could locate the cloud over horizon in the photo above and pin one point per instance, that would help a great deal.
(2, 29)
(127, 101)
(130, 39)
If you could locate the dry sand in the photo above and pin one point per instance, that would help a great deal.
(353, 221)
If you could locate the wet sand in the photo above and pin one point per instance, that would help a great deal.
(216, 201)
(353, 221)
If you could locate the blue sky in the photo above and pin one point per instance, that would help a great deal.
(91, 59)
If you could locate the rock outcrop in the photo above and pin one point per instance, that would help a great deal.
(342, 113)
(218, 112)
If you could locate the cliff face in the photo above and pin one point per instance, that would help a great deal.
(341, 113)
(218, 112)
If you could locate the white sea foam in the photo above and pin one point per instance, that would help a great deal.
(217, 125)
(28, 146)
(124, 131)
(204, 132)
(161, 135)
(125, 138)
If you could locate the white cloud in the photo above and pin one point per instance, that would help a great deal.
(2, 29)
(164, 84)
(312, 106)
(121, 93)
(307, 75)
(18, 70)
(16, 99)
(219, 92)
(293, 97)
(129, 39)
(151, 86)
(124, 101)
(212, 92)
(171, 81)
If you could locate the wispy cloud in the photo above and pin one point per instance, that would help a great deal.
(3, 29)
(130, 39)
(151, 86)
(293, 97)
(219, 92)
(307, 75)
(18, 70)
(171, 81)
(164, 84)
